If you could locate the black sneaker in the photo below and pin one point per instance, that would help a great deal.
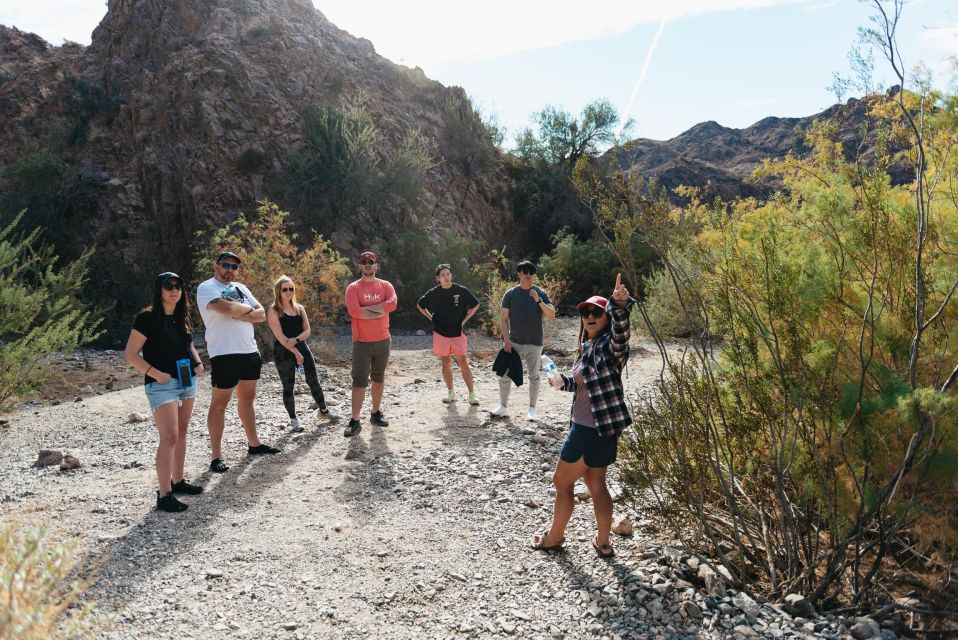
(352, 428)
(378, 419)
(218, 466)
(169, 503)
(262, 448)
(185, 487)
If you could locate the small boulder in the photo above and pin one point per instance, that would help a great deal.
(48, 457)
(714, 583)
(87, 391)
(136, 416)
(69, 463)
(622, 526)
(748, 606)
(797, 605)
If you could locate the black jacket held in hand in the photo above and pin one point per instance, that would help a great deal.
(509, 364)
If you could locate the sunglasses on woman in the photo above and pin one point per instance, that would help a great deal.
(595, 312)
(288, 289)
(169, 286)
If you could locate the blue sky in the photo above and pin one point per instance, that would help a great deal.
(732, 61)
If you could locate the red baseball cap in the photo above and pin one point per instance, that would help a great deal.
(597, 301)
(368, 255)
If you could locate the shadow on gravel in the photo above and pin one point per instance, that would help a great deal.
(162, 539)
(370, 480)
(589, 575)
(462, 423)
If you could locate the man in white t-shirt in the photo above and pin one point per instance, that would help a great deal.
(229, 311)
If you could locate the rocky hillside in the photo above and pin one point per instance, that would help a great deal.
(721, 160)
(183, 113)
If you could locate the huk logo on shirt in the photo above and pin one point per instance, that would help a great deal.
(372, 298)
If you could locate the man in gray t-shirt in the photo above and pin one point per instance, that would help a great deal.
(520, 318)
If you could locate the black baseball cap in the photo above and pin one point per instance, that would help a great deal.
(165, 277)
(228, 254)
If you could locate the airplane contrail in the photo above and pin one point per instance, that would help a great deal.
(645, 69)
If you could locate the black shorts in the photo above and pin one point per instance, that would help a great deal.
(229, 369)
(586, 443)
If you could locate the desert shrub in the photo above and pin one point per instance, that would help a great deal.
(6, 75)
(347, 164)
(588, 266)
(40, 313)
(409, 262)
(663, 301)
(813, 451)
(41, 181)
(39, 594)
(85, 101)
(268, 250)
(471, 141)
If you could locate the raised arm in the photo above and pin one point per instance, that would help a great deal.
(618, 309)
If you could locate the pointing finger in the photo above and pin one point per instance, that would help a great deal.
(618, 280)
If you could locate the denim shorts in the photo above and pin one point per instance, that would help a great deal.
(585, 442)
(171, 391)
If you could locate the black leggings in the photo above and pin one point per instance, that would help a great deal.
(286, 366)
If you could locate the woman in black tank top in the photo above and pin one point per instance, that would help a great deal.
(290, 326)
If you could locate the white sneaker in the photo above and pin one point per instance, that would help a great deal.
(500, 411)
(450, 397)
(532, 416)
(473, 399)
(295, 426)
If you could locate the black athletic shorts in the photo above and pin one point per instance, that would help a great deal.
(229, 369)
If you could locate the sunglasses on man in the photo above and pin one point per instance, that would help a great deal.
(593, 311)
(169, 286)
(366, 263)
(230, 265)
(527, 272)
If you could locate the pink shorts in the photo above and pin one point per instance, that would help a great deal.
(443, 346)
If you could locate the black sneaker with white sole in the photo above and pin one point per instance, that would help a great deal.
(378, 419)
(352, 428)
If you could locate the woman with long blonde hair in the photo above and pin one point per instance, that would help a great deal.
(290, 326)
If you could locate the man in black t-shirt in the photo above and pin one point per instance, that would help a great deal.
(450, 306)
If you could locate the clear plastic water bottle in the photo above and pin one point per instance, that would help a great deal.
(549, 367)
(301, 369)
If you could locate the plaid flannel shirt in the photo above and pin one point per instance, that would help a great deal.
(602, 361)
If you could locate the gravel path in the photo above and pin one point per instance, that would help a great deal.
(419, 529)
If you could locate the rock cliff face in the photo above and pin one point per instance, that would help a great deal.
(720, 160)
(183, 112)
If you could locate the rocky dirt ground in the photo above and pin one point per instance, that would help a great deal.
(420, 529)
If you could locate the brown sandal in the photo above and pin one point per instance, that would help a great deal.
(604, 550)
(538, 543)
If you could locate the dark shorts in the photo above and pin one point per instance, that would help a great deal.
(229, 369)
(585, 442)
(369, 362)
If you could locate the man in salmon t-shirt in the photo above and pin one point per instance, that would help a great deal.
(369, 301)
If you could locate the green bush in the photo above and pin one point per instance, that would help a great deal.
(588, 266)
(40, 313)
(664, 301)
